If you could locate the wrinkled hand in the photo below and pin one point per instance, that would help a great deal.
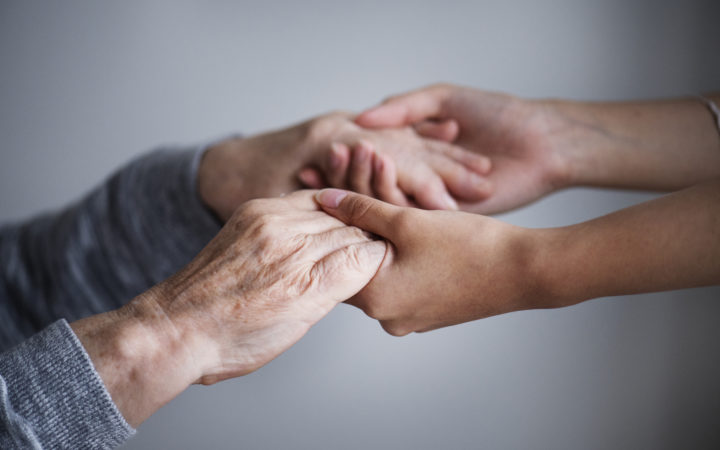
(399, 166)
(445, 268)
(516, 134)
(276, 268)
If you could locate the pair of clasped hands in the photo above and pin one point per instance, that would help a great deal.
(379, 242)
(404, 238)
(285, 257)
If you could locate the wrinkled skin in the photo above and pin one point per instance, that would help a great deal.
(276, 268)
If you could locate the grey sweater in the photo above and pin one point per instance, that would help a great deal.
(138, 228)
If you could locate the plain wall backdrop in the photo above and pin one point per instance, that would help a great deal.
(85, 86)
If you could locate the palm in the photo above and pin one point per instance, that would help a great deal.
(513, 134)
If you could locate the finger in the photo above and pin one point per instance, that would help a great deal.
(338, 161)
(361, 211)
(360, 172)
(428, 190)
(462, 182)
(300, 200)
(345, 272)
(311, 178)
(385, 181)
(397, 328)
(270, 213)
(326, 242)
(444, 130)
(474, 161)
(406, 109)
(309, 222)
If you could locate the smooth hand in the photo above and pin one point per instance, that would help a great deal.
(516, 134)
(445, 267)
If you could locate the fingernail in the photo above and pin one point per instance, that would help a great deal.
(485, 165)
(450, 202)
(378, 163)
(305, 177)
(335, 155)
(361, 152)
(367, 114)
(478, 182)
(330, 198)
(479, 164)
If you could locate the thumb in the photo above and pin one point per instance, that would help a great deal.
(446, 130)
(359, 210)
(344, 272)
(405, 109)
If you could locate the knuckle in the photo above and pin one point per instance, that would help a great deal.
(353, 254)
(296, 244)
(396, 328)
(250, 208)
(440, 87)
(358, 209)
(266, 223)
(263, 230)
(428, 190)
(402, 222)
(329, 124)
(390, 98)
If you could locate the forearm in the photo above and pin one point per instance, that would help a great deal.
(87, 385)
(655, 145)
(669, 243)
(143, 360)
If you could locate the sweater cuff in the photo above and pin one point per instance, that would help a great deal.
(199, 213)
(54, 389)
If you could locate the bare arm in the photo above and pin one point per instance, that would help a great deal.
(659, 145)
(452, 267)
(539, 146)
(669, 243)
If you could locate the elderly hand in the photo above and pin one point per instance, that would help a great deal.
(517, 135)
(445, 267)
(269, 164)
(399, 166)
(276, 268)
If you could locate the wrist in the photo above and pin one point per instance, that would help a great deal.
(141, 357)
(216, 180)
(571, 134)
(557, 267)
(529, 270)
(520, 266)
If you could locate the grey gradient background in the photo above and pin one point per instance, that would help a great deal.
(85, 86)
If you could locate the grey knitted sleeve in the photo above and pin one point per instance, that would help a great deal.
(136, 229)
(133, 231)
(52, 397)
